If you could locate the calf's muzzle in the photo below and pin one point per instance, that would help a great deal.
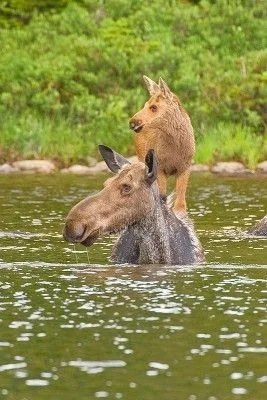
(136, 125)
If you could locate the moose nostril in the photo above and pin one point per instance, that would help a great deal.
(73, 232)
(131, 124)
(135, 123)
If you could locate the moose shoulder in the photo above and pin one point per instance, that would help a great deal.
(130, 203)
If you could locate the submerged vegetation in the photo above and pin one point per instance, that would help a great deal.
(71, 75)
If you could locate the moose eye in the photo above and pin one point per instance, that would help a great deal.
(125, 188)
(153, 108)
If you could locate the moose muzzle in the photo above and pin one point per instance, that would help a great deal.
(78, 233)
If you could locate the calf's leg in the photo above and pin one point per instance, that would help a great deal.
(162, 183)
(180, 187)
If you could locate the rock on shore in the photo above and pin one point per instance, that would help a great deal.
(199, 168)
(7, 169)
(44, 166)
(262, 167)
(95, 169)
(231, 168)
(82, 169)
(76, 169)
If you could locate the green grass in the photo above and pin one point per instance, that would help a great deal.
(66, 143)
(226, 142)
(30, 136)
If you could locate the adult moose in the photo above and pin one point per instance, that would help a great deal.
(130, 202)
(164, 125)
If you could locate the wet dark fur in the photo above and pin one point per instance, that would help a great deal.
(161, 238)
(260, 228)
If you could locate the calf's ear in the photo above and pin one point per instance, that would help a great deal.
(114, 161)
(165, 90)
(151, 163)
(152, 86)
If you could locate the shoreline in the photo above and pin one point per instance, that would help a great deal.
(45, 166)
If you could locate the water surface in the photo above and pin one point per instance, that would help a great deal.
(73, 326)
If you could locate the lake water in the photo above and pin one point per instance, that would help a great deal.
(74, 327)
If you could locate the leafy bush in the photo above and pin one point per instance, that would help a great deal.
(71, 77)
(226, 142)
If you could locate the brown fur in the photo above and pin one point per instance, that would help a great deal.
(130, 202)
(108, 210)
(164, 126)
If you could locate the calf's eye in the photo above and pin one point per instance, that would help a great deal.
(153, 108)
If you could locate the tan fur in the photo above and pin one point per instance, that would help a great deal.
(113, 205)
(164, 126)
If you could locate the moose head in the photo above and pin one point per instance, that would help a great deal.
(125, 199)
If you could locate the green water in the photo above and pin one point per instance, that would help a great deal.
(73, 327)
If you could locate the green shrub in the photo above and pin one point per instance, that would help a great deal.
(226, 142)
(71, 74)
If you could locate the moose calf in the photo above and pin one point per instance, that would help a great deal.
(164, 125)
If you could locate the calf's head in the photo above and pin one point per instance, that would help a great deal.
(125, 199)
(155, 108)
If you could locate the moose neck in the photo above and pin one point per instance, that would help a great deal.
(152, 234)
(159, 238)
(176, 120)
(146, 241)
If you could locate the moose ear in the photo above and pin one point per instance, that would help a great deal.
(152, 86)
(114, 161)
(164, 88)
(151, 163)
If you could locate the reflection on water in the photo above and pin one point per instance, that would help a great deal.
(75, 330)
(139, 333)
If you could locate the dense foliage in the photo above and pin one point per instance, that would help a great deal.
(71, 75)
